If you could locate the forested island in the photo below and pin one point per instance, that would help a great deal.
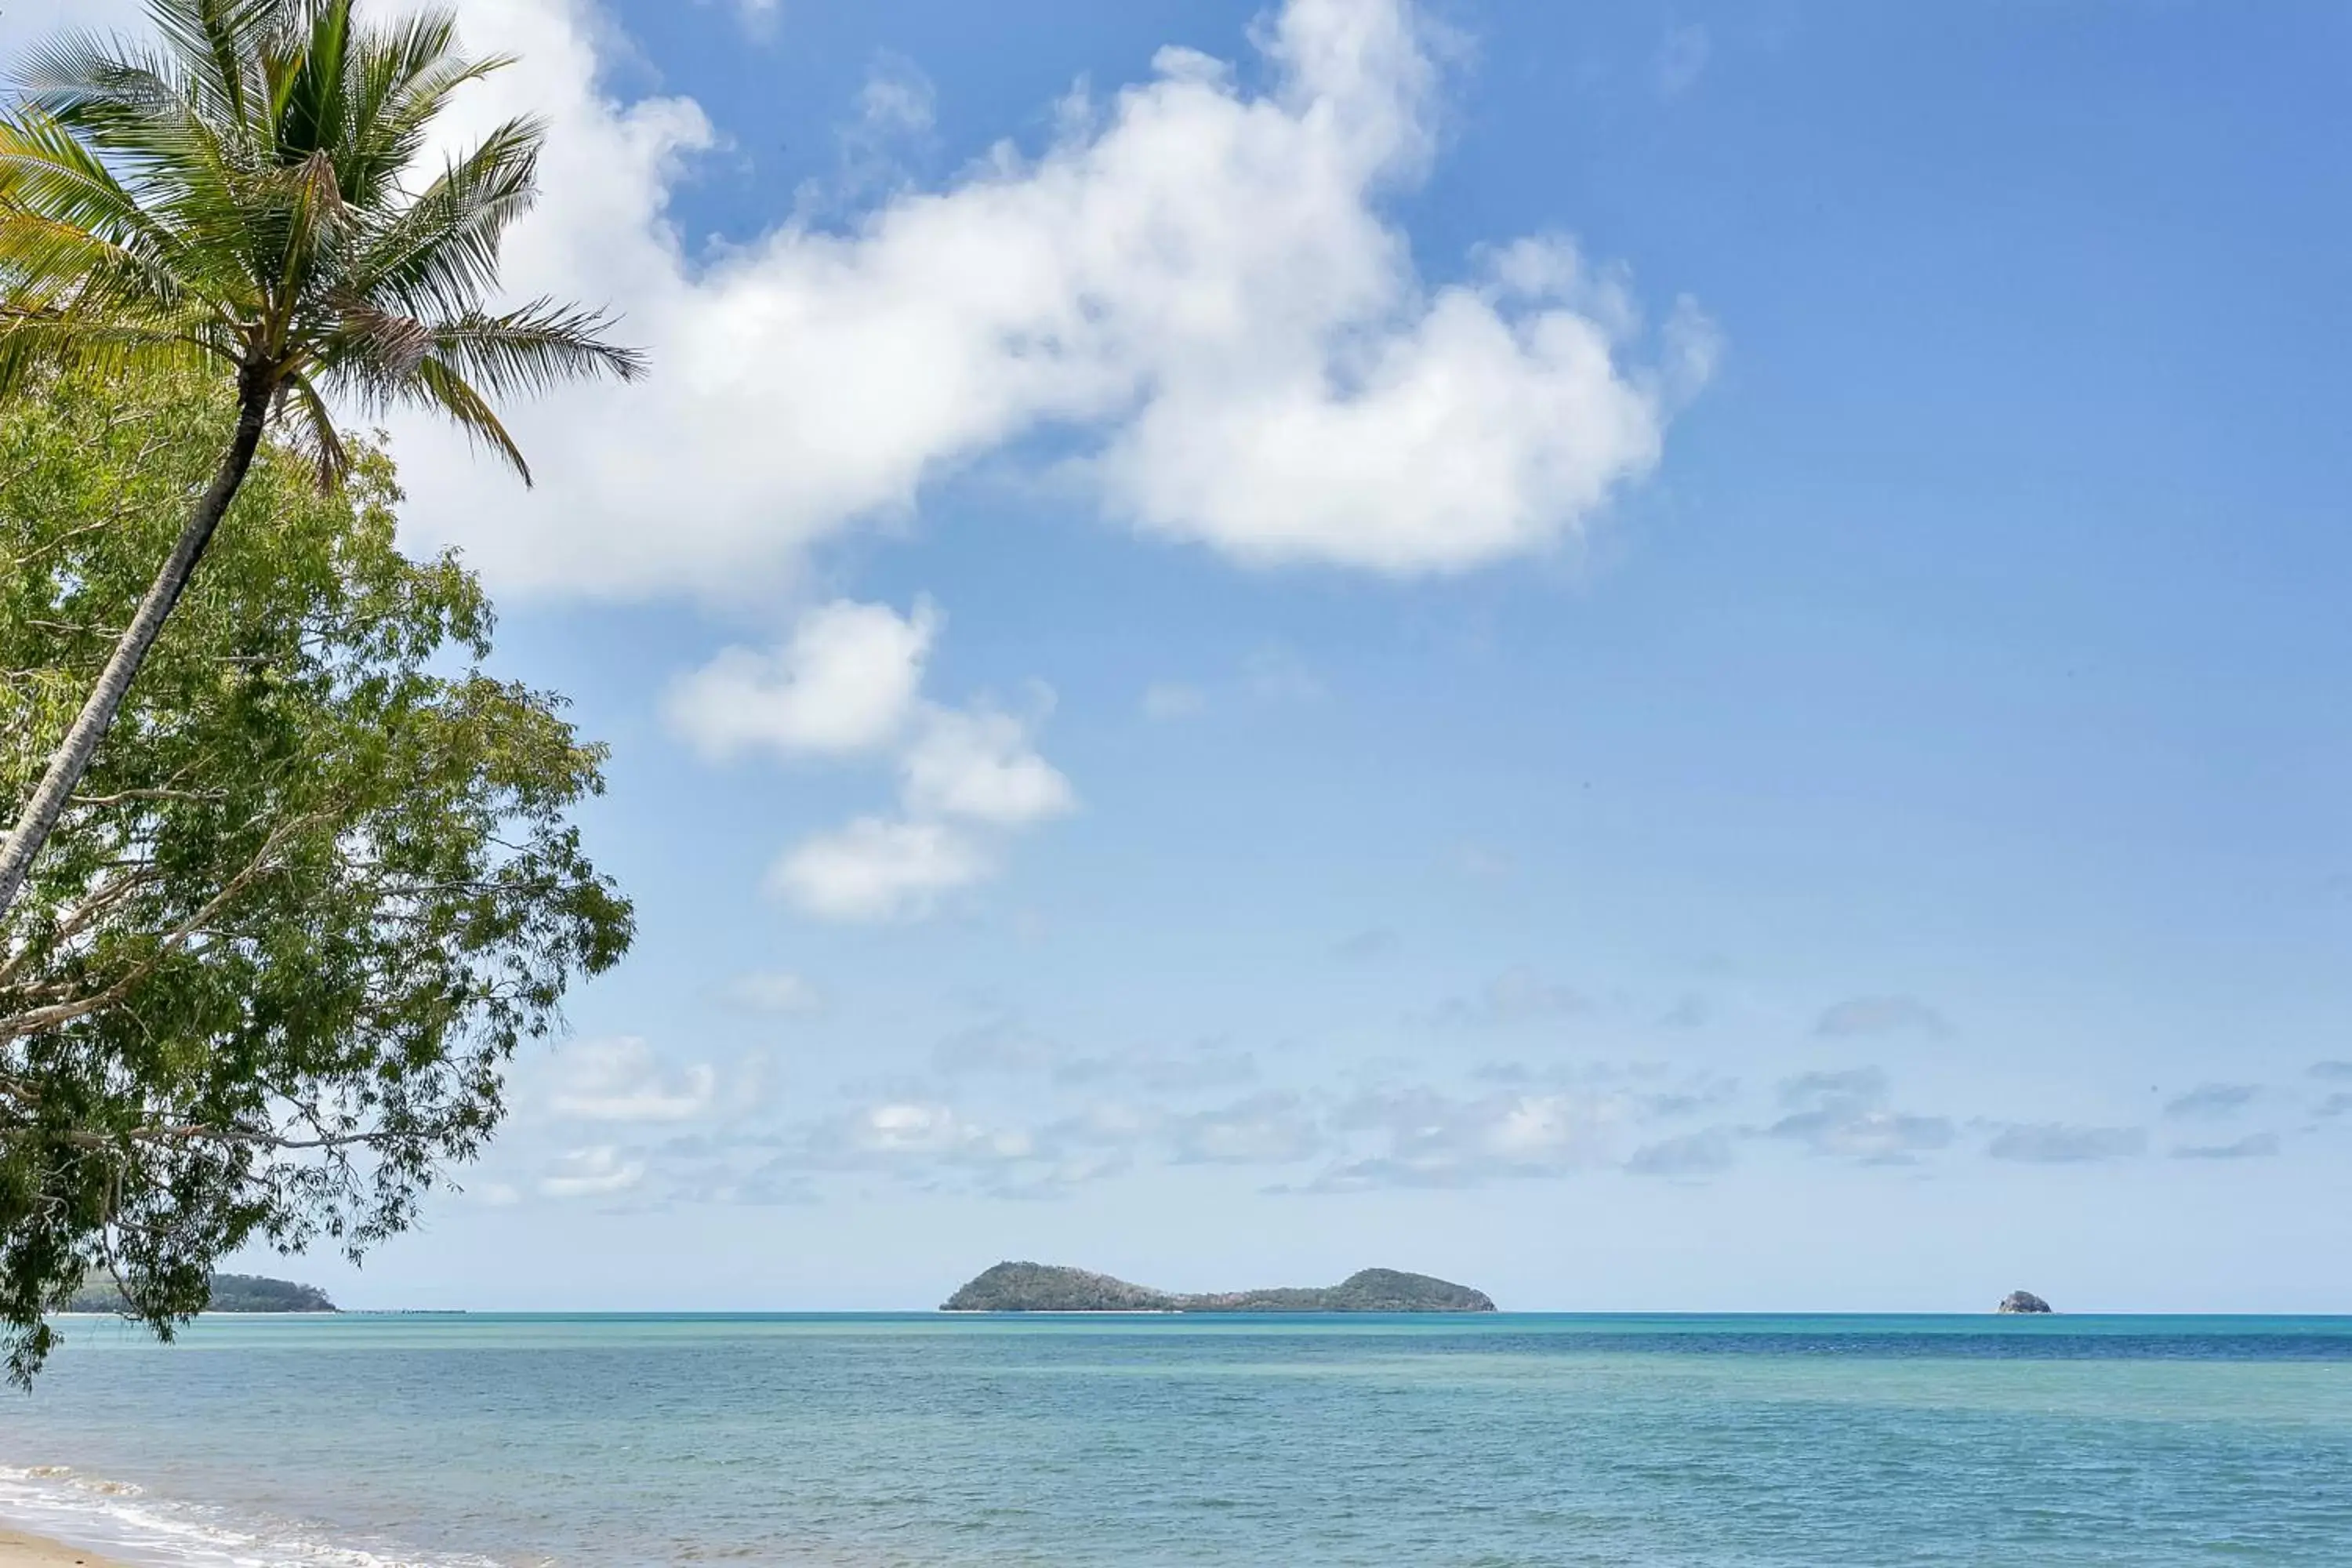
(230, 1293)
(1048, 1287)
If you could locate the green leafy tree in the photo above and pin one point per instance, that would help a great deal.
(320, 883)
(236, 197)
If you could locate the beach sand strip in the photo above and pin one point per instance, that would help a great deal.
(18, 1550)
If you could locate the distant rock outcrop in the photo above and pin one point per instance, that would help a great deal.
(1048, 1287)
(2022, 1301)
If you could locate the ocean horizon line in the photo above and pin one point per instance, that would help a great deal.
(1597, 1313)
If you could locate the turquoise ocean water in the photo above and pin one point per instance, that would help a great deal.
(854, 1441)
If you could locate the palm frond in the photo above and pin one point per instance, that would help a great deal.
(311, 425)
(440, 254)
(239, 190)
(188, 177)
(44, 169)
(83, 78)
(308, 112)
(436, 385)
(372, 352)
(403, 76)
(47, 265)
(36, 344)
(532, 350)
(313, 217)
(217, 43)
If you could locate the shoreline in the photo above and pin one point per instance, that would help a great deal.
(21, 1549)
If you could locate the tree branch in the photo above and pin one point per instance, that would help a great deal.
(43, 1018)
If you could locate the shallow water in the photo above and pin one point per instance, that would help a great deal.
(604, 1441)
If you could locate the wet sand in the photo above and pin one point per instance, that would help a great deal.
(18, 1550)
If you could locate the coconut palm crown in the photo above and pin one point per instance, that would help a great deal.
(244, 192)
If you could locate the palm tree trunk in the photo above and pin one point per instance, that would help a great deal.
(72, 758)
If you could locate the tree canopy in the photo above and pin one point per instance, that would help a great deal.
(242, 195)
(318, 885)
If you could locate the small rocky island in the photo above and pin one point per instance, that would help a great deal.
(2022, 1301)
(1046, 1287)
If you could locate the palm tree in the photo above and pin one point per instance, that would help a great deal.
(238, 195)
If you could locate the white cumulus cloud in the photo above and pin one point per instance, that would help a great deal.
(848, 679)
(1196, 281)
(591, 1173)
(845, 681)
(622, 1080)
(979, 766)
(877, 868)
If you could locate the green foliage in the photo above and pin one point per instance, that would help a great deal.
(319, 883)
(243, 194)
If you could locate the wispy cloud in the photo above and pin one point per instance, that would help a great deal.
(1682, 59)
(1517, 996)
(1275, 674)
(2253, 1146)
(1158, 1071)
(1271, 1129)
(759, 17)
(1481, 862)
(1167, 699)
(931, 1144)
(1703, 1153)
(1006, 1047)
(897, 97)
(1846, 1114)
(1007, 1112)
(1691, 1012)
(1424, 1137)
(2058, 1144)
(1863, 1016)
(773, 992)
(2211, 1099)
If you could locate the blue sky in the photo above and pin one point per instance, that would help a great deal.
(1653, 656)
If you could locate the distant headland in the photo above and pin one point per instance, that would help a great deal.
(1046, 1287)
(230, 1293)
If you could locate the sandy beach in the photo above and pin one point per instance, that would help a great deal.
(18, 1550)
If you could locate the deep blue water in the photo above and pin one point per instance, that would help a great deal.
(603, 1441)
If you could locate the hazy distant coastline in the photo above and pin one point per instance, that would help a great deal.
(230, 1293)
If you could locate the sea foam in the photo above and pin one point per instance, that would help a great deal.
(131, 1524)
